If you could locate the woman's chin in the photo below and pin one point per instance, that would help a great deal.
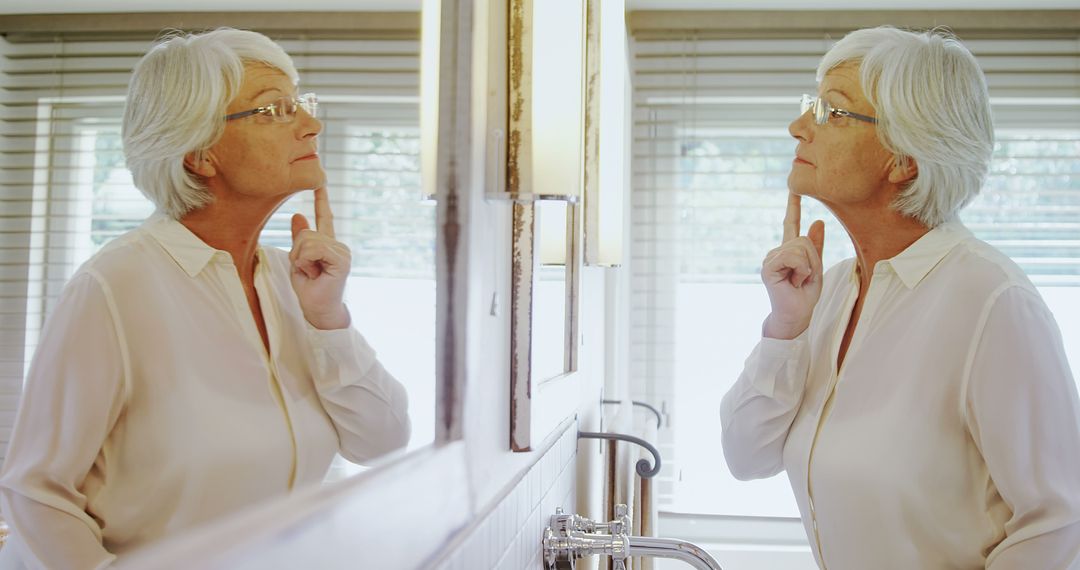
(310, 182)
(799, 187)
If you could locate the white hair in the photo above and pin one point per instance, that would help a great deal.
(176, 105)
(932, 106)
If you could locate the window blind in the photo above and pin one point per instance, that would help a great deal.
(712, 154)
(711, 122)
(65, 191)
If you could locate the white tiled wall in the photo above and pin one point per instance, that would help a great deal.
(509, 536)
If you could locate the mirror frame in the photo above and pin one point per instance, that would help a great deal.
(526, 412)
(453, 170)
(537, 405)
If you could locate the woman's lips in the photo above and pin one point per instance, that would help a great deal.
(311, 156)
(801, 161)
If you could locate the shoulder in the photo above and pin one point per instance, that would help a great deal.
(980, 276)
(121, 260)
(984, 261)
(124, 256)
(980, 272)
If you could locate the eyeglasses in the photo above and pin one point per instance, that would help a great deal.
(283, 110)
(822, 111)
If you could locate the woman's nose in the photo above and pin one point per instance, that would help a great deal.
(308, 124)
(801, 128)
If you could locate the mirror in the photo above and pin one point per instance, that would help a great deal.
(375, 141)
(549, 339)
(75, 194)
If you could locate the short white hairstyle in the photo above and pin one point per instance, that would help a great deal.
(176, 105)
(932, 106)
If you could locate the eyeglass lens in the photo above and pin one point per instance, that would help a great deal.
(285, 108)
(819, 108)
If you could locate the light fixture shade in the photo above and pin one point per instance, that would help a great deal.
(547, 64)
(431, 20)
(607, 152)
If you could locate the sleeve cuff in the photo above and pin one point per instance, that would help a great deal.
(776, 365)
(779, 348)
(343, 356)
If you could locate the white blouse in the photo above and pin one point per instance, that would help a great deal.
(151, 405)
(950, 438)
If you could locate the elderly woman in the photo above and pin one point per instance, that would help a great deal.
(918, 396)
(187, 372)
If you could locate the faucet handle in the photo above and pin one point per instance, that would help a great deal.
(623, 522)
(561, 523)
(558, 552)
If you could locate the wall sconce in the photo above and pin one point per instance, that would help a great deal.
(607, 102)
(431, 19)
(544, 148)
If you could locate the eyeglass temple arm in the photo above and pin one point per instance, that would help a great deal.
(243, 114)
(855, 115)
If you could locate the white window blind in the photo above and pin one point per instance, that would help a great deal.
(65, 192)
(711, 159)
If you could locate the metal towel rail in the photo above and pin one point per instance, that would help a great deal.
(642, 467)
(659, 415)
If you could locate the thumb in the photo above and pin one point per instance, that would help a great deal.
(299, 224)
(817, 236)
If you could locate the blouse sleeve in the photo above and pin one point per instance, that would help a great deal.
(1023, 413)
(368, 406)
(72, 398)
(757, 411)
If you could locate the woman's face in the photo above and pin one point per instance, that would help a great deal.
(841, 163)
(258, 157)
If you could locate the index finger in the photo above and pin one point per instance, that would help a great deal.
(324, 218)
(791, 218)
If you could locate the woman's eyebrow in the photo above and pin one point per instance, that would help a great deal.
(841, 93)
(268, 89)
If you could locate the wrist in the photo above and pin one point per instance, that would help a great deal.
(330, 320)
(781, 329)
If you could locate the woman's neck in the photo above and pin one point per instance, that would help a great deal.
(233, 226)
(881, 233)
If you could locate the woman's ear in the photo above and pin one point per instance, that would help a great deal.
(903, 170)
(199, 163)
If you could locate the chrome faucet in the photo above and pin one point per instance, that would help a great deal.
(621, 524)
(572, 536)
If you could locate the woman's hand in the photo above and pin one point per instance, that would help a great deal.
(792, 274)
(320, 267)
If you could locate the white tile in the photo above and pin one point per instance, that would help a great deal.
(470, 552)
(543, 473)
(499, 531)
(519, 555)
(510, 537)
